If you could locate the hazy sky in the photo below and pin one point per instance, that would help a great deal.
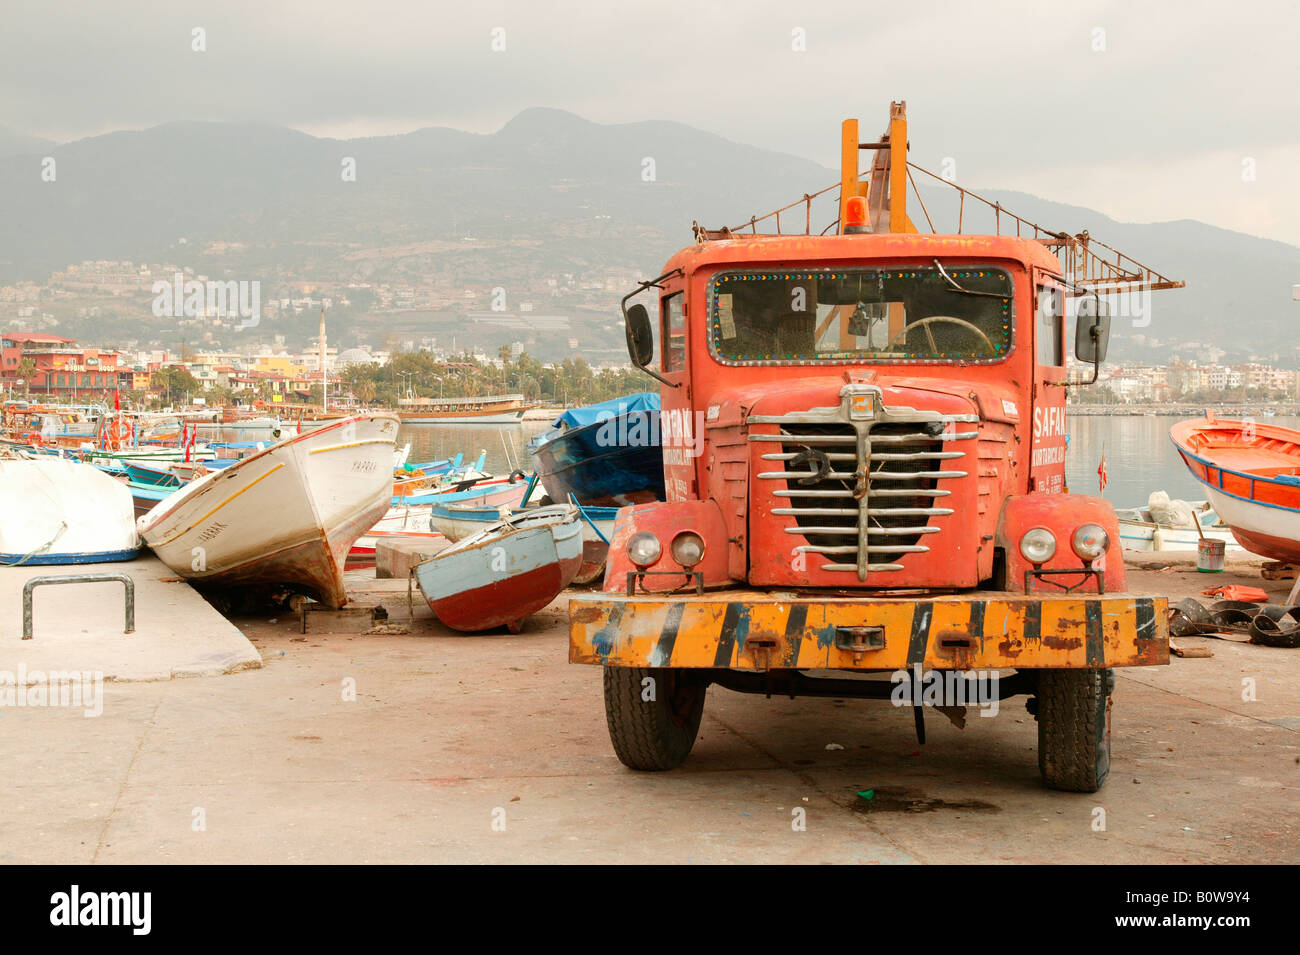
(1143, 110)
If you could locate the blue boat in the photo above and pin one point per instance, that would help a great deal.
(154, 477)
(604, 455)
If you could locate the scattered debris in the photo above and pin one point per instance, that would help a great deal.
(1278, 570)
(1181, 651)
(1237, 592)
(1238, 621)
(833, 746)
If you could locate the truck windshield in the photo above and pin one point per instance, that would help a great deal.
(863, 315)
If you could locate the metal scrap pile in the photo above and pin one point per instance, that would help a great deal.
(1271, 625)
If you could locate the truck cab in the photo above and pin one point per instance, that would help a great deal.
(864, 442)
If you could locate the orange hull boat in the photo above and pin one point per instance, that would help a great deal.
(1251, 474)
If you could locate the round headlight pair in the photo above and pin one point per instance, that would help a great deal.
(644, 549)
(1089, 542)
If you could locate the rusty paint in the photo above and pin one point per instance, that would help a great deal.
(751, 631)
(585, 615)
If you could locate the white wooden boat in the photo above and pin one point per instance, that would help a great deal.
(1141, 532)
(283, 518)
(56, 511)
(1144, 536)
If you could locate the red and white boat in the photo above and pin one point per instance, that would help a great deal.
(406, 521)
(506, 572)
(1251, 475)
(284, 517)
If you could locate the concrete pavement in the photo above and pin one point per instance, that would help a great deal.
(80, 626)
(427, 746)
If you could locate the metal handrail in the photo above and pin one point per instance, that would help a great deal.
(35, 582)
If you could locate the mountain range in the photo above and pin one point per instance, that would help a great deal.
(548, 192)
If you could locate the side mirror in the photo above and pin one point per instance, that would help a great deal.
(1092, 330)
(640, 335)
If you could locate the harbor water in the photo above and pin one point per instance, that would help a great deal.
(1140, 458)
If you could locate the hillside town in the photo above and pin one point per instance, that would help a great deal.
(54, 367)
(152, 306)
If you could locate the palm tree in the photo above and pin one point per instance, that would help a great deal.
(27, 368)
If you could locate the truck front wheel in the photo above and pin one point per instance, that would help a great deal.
(1073, 710)
(653, 715)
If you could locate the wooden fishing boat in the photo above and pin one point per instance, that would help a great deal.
(505, 573)
(57, 511)
(464, 514)
(399, 521)
(1251, 475)
(1139, 532)
(283, 518)
(480, 490)
(458, 521)
(490, 409)
(606, 455)
(145, 497)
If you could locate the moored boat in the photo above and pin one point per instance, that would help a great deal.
(608, 454)
(58, 511)
(505, 573)
(283, 518)
(1139, 531)
(491, 409)
(1251, 475)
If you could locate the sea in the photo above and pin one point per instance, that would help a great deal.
(1140, 458)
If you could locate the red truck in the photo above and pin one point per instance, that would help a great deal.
(864, 441)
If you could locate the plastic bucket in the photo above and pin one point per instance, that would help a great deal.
(1209, 556)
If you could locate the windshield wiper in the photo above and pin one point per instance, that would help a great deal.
(964, 291)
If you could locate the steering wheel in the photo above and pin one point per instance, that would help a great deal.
(925, 323)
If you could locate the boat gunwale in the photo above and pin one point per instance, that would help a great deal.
(233, 469)
(1186, 452)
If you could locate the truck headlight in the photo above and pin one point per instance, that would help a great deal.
(687, 549)
(1038, 545)
(1090, 541)
(644, 549)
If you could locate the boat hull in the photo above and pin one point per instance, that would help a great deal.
(502, 579)
(598, 471)
(283, 518)
(56, 511)
(1141, 537)
(498, 417)
(1272, 532)
(1251, 475)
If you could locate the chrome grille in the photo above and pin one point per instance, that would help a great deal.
(880, 491)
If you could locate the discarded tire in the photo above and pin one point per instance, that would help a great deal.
(1276, 626)
(1187, 617)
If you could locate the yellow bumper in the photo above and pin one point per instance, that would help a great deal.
(751, 630)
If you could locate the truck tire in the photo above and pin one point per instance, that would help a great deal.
(652, 734)
(1073, 712)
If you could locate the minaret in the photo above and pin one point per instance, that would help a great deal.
(324, 376)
